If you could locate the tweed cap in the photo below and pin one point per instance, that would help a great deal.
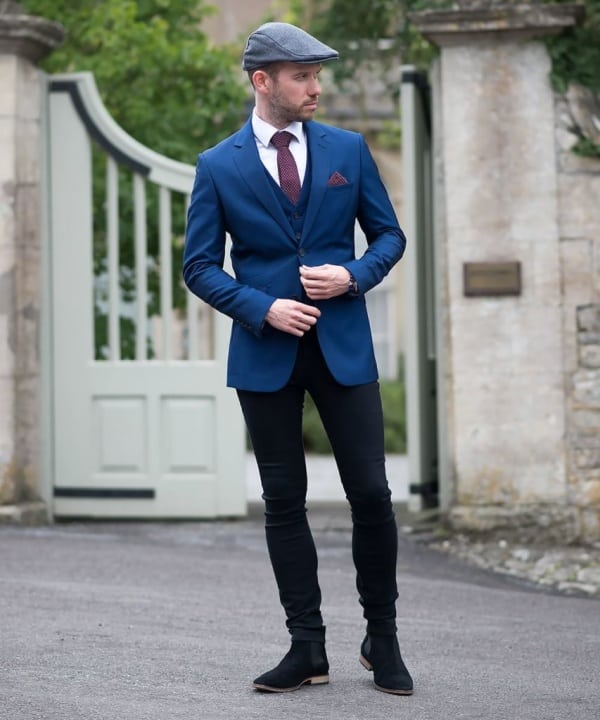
(282, 42)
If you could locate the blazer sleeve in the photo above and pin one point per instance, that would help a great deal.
(204, 254)
(377, 218)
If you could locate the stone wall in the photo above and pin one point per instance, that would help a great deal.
(19, 276)
(579, 230)
(23, 41)
(520, 373)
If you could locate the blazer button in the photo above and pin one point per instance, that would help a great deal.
(301, 252)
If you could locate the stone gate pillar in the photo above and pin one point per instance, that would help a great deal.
(497, 242)
(24, 40)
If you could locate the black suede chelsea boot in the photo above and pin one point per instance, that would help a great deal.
(304, 664)
(381, 654)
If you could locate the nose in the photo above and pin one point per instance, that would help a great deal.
(315, 86)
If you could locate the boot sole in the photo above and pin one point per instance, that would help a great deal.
(316, 680)
(392, 692)
(367, 665)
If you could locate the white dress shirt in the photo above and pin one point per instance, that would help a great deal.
(263, 132)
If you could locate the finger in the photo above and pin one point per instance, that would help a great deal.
(309, 320)
(310, 310)
(305, 322)
(295, 331)
(299, 328)
(318, 294)
(311, 283)
(311, 272)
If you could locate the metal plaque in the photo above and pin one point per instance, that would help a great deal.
(490, 279)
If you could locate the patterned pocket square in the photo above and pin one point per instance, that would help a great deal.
(336, 179)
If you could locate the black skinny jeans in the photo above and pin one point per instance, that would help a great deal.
(353, 419)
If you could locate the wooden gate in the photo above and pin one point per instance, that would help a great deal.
(141, 423)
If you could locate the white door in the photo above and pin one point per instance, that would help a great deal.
(142, 438)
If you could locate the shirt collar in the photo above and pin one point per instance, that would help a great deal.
(264, 131)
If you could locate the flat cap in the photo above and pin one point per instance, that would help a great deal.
(282, 42)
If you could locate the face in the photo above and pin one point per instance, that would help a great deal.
(290, 94)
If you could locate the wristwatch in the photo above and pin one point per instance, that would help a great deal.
(352, 285)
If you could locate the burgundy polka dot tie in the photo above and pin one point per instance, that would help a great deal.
(289, 180)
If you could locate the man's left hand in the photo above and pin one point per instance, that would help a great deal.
(324, 281)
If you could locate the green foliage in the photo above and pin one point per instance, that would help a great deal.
(394, 413)
(575, 56)
(575, 53)
(389, 137)
(393, 397)
(365, 32)
(586, 147)
(157, 72)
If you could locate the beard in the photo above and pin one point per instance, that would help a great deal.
(285, 112)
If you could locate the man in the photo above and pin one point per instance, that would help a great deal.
(288, 191)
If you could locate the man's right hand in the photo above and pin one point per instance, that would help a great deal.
(292, 317)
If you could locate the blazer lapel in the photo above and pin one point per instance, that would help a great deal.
(320, 160)
(252, 171)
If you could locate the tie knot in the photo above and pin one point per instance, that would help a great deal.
(282, 139)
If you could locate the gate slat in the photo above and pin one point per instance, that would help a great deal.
(112, 240)
(166, 275)
(193, 349)
(141, 277)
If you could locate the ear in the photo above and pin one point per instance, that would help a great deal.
(261, 81)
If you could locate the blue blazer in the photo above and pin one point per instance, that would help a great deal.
(232, 194)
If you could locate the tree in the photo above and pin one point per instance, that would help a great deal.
(366, 31)
(157, 72)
